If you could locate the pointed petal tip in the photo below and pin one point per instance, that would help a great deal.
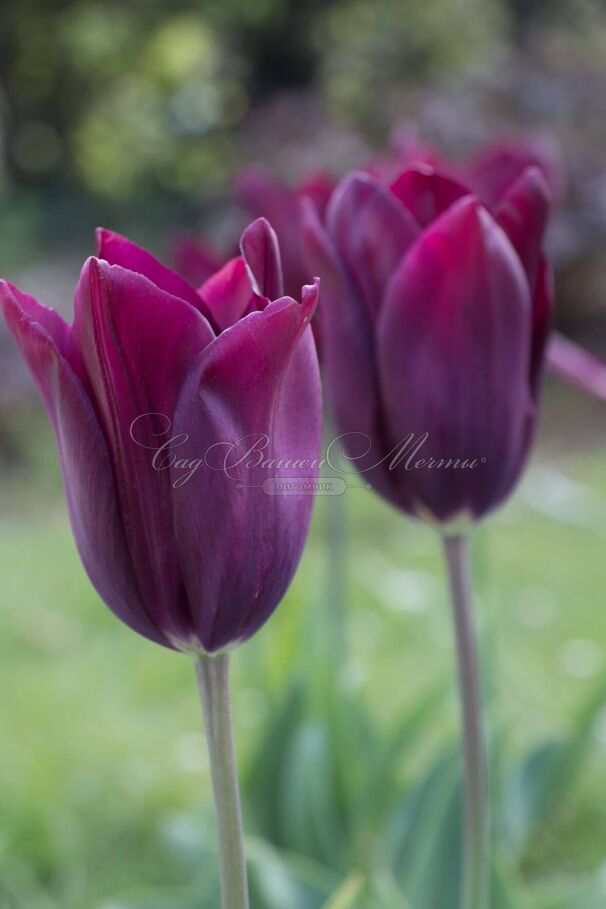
(260, 250)
(533, 179)
(104, 236)
(310, 294)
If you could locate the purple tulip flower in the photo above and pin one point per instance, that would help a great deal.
(436, 313)
(152, 376)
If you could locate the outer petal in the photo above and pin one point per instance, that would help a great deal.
(454, 348)
(87, 471)
(136, 344)
(371, 233)
(239, 546)
(522, 213)
(261, 254)
(542, 317)
(426, 193)
(349, 359)
(118, 250)
(577, 366)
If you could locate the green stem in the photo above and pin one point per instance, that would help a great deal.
(213, 681)
(476, 876)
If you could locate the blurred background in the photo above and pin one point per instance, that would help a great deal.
(140, 117)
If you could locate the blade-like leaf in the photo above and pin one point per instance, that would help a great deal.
(347, 893)
(548, 775)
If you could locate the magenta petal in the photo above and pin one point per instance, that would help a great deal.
(454, 349)
(349, 360)
(15, 301)
(371, 232)
(542, 317)
(522, 213)
(137, 343)
(577, 366)
(495, 170)
(261, 254)
(239, 545)
(118, 250)
(426, 193)
(85, 462)
(318, 188)
(228, 294)
(193, 259)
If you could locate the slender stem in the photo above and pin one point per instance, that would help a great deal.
(336, 550)
(213, 681)
(476, 876)
(336, 531)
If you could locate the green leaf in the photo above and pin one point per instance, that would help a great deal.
(279, 880)
(264, 775)
(549, 773)
(424, 834)
(311, 820)
(347, 894)
(400, 744)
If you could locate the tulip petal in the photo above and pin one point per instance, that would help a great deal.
(371, 232)
(228, 294)
(522, 213)
(261, 255)
(426, 193)
(15, 301)
(542, 317)
(348, 356)
(137, 343)
(119, 250)
(578, 366)
(86, 466)
(192, 259)
(494, 171)
(238, 545)
(318, 188)
(454, 349)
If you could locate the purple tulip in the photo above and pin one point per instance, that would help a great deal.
(151, 377)
(436, 313)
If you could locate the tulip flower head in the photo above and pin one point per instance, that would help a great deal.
(151, 376)
(436, 312)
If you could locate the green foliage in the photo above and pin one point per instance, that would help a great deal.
(350, 763)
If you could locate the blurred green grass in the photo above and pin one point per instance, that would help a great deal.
(101, 746)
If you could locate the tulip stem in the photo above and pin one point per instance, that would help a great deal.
(476, 871)
(213, 681)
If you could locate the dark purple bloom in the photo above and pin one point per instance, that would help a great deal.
(190, 557)
(435, 317)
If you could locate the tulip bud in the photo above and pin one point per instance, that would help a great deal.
(151, 377)
(435, 318)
